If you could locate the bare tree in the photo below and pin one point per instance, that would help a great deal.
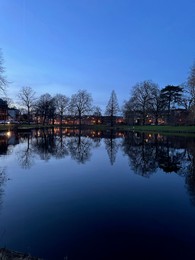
(61, 103)
(186, 100)
(112, 107)
(191, 83)
(27, 99)
(80, 104)
(45, 108)
(142, 98)
(157, 104)
(129, 111)
(3, 80)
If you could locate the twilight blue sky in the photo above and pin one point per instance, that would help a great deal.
(61, 46)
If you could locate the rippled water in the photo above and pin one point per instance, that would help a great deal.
(97, 195)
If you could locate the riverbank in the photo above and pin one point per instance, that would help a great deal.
(161, 129)
(148, 128)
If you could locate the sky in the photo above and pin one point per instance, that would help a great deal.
(61, 46)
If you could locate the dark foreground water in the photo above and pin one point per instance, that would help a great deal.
(97, 195)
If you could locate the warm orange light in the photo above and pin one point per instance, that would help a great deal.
(8, 134)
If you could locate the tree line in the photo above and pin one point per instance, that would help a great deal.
(48, 107)
(146, 100)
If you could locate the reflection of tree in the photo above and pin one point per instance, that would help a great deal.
(146, 152)
(168, 161)
(111, 147)
(2, 182)
(190, 181)
(44, 145)
(143, 160)
(97, 141)
(141, 153)
(60, 147)
(190, 176)
(80, 148)
(26, 154)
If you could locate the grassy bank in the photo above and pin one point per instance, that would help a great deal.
(11, 127)
(150, 128)
(161, 129)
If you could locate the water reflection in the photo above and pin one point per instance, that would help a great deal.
(79, 148)
(141, 152)
(111, 146)
(44, 144)
(3, 180)
(190, 170)
(146, 152)
(26, 153)
(7, 141)
(120, 192)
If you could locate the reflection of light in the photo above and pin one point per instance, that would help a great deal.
(8, 134)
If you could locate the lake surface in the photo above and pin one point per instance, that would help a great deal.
(97, 195)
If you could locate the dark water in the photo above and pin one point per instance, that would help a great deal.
(97, 195)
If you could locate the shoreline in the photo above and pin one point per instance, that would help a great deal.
(149, 128)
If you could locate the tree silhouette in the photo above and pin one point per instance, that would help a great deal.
(171, 96)
(191, 83)
(143, 96)
(3, 80)
(61, 103)
(27, 99)
(45, 108)
(112, 107)
(80, 104)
